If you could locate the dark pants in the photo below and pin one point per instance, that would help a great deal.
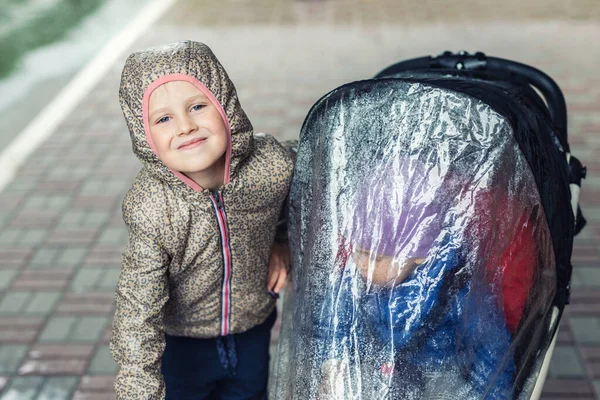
(193, 370)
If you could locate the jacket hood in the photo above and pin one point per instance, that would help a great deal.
(194, 62)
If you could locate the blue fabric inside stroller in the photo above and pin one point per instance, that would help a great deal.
(431, 228)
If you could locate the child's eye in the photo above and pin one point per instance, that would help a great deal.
(162, 120)
(198, 107)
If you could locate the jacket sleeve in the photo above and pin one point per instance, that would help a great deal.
(492, 372)
(405, 309)
(138, 342)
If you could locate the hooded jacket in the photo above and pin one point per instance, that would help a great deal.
(197, 260)
(432, 323)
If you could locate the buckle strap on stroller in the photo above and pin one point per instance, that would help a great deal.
(577, 172)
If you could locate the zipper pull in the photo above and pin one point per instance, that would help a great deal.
(217, 197)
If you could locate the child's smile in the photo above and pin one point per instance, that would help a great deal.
(192, 143)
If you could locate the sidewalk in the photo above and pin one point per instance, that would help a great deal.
(61, 233)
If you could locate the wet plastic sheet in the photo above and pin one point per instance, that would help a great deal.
(422, 262)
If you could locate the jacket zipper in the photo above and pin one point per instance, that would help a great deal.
(217, 200)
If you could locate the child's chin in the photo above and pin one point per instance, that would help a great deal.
(192, 168)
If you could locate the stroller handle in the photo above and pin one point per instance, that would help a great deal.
(480, 62)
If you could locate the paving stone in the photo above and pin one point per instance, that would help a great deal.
(591, 276)
(18, 186)
(96, 219)
(22, 322)
(53, 367)
(6, 278)
(72, 237)
(566, 363)
(58, 388)
(53, 351)
(585, 295)
(10, 237)
(117, 186)
(89, 329)
(96, 303)
(72, 218)
(113, 236)
(57, 359)
(590, 353)
(43, 303)
(110, 279)
(4, 218)
(58, 329)
(108, 256)
(86, 280)
(93, 186)
(585, 330)
(44, 257)
(106, 395)
(597, 388)
(58, 202)
(32, 237)
(567, 388)
(107, 333)
(95, 202)
(72, 256)
(14, 257)
(10, 358)
(585, 309)
(14, 302)
(36, 279)
(46, 202)
(57, 186)
(565, 336)
(64, 173)
(96, 383)
(23, 388)
(593, 368)
(9, 202)
(103, 363)
(10, 334)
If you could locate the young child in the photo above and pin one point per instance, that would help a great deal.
(440, 332)
(195, 298)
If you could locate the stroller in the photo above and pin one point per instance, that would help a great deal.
(431, 220)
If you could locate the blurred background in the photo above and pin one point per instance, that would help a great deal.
(61, 233)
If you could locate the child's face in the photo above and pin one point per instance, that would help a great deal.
(384, 270)
(187, 129)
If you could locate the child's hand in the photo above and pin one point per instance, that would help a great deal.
(278, 267)
(384, 270)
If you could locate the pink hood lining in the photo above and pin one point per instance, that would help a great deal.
(186, 78)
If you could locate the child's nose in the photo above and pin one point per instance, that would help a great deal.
(187, 125)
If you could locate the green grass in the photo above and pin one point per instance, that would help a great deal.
(28, 24)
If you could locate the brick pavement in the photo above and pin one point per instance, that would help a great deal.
(61, 232)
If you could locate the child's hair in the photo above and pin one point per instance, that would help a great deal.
(394, 210)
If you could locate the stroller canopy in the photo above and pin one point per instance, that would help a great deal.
(430, 236)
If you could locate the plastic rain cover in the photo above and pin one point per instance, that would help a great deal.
(422, 262)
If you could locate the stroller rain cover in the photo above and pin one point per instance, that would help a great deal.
(430, 240)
